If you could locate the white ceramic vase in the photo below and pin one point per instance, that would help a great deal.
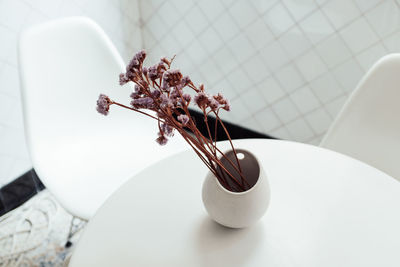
(238, 209)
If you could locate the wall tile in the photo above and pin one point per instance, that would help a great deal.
(384, 18)
(319, 120)
(366, 5)
(333, 50)
(258, 33)
(368, 57)
(270, 90)
(347, 81)
(359, 35)
(300, 130)
(316, 27)
(300, 8)
(253, 101)
(279, 19)
(242, 12)
(211, 11)
(267, 119)
(225, 26)
(255, 69)
(304, 99)
(392, 42)
(274, 56)
(336, 105)
(341, 12)
(295, 42)
(195, 18)
(289, 78)
(285, 110)
(310, 65)
(326, 88)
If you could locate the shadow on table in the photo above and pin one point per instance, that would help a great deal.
(222, 246)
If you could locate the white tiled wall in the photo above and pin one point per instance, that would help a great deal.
(287, 65)
(119, 18)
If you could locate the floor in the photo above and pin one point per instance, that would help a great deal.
(36, 233)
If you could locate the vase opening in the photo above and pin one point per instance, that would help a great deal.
(250, 171)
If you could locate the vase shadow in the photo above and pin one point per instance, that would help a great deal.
(220, 246)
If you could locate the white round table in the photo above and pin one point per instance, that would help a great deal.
(326, 209)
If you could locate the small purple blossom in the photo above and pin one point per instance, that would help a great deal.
(136, 61)
(186, 97)
(227, 106)
(156, 93)
(123, 79)
(153, 72)
(202, 100)
(214, 105)
(184, 119)
(166, 102)
(172, 77)
(161, 140)
(176, 93)
(167, 130)
(144, 71)
(156, 71)
(185, 81)
(103, 104)
(144, 102)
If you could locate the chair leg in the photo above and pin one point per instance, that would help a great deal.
(73, 229)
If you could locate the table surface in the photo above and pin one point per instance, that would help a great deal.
(326, 209)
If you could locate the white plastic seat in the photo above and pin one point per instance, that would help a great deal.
(80, 155)
(368, 126)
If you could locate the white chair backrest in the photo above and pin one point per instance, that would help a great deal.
(368, 126)
(79, 154)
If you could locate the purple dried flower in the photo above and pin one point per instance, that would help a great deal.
(202, 100)
(176, 93)
(220, 98)
(227, 106)
(145, 70)
(184, 119)
(103, 104)
(214, 105)
(156, 93)
(136, 61)
(161, 140)
(134, 95)
(172, 77)
(153, 72)
(144, 102)
(165, 86)
(141, 55)
(156, 71)
(185, 81)
(122, 79)
(166, 102)
(165, 60)
(186, 97)
(222, 101)
(167, 130)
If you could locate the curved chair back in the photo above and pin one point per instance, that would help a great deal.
(80, 155)
(368, 127)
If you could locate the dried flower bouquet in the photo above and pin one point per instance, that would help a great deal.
(161, 89)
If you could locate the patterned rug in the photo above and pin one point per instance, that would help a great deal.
(36, 233)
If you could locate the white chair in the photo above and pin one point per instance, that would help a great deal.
(368, 127)
(80, 155)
